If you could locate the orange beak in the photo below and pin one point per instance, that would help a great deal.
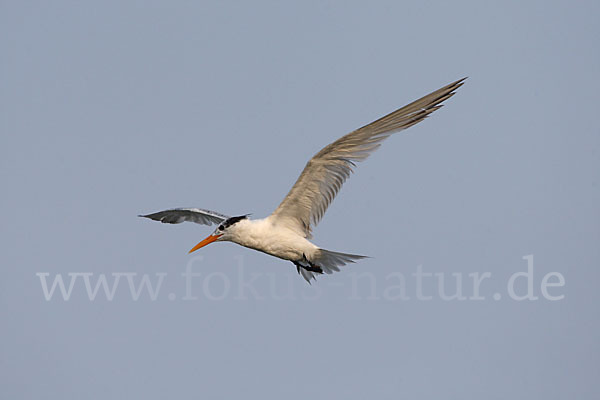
(206, 241)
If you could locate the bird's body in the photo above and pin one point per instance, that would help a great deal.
(272, 238)
(286, 232)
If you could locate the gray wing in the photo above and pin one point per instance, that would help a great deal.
(179, 215)
(324, 174)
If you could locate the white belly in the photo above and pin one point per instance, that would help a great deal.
(277, 241)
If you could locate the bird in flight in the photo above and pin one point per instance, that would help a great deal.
(286, 232)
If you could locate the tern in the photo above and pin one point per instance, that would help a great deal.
(286, 232)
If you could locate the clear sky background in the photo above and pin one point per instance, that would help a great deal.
(112, 109)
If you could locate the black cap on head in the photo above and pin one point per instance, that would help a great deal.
(230, 221)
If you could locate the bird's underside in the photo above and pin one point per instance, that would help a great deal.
(286, 231)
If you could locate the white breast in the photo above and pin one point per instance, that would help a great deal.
(276, 240)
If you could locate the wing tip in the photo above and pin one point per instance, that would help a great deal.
(455, 85)
(152, 217)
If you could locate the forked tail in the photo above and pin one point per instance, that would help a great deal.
(328, 261)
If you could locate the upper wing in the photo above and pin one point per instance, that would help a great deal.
(179, 215)
(325, 173)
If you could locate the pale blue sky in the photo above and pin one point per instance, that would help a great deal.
(112, 109)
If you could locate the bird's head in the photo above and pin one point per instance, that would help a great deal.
(223, 232)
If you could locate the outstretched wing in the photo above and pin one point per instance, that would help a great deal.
(179, 215)
(324, 174)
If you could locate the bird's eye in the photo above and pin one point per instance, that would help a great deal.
(221, 227)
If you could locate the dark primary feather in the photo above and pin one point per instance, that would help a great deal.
(179, 215)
